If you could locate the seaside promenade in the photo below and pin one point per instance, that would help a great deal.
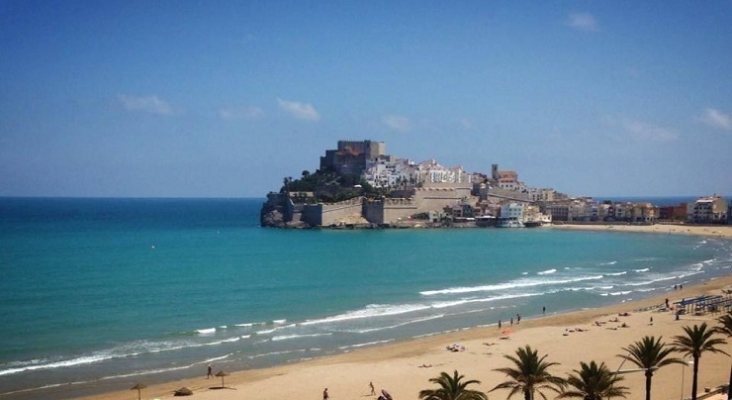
(404, 368)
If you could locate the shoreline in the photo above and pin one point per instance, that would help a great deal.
(396, 366)
(400, 366)
(717, 231)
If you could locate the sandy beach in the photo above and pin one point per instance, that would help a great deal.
(404, 368)
(719, 231)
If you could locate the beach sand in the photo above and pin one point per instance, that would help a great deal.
(400, 367)
(718, 231)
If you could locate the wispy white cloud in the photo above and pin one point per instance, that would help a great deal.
(250, 113)
(149, 104)
(299, 110)
(716, 119)
(583, 21)
(397, 122)
(645, 131)
(639, 130)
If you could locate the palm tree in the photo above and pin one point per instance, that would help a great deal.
(697, 340)
(649, 354)
(530, 375)
(451, 388)
(726, 329)
(594, 382)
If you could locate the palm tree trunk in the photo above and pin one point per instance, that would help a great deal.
(649, 374)
(729, 386)
(693, 383)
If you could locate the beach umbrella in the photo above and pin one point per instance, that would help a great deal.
(138, 387)
(222, 374)
(184, 391)
(506, 332)
(386, 394)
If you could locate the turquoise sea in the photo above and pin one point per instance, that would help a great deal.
(98, 294)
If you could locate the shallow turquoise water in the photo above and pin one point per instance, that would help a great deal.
(112, 291)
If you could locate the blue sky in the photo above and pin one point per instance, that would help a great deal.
(224, 99)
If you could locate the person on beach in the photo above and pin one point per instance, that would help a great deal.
(325, 394)
(371, 386)
(543, 310)
(511, 320)
(518, 318)
(210, 372)
(499, 324)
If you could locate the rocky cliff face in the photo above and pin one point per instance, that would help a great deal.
(272, 219)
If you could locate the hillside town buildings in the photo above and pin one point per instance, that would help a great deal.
(429, 193)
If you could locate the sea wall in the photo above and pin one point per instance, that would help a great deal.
(392, 210)
(332, 214)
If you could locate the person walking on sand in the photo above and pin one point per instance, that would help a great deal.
(325, 394)
(371, 386)
(499, 324)
(210, 372)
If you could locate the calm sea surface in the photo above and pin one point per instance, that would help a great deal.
(97, 294)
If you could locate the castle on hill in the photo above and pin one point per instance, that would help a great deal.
(358, 184)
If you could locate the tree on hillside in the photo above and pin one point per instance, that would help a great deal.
(649, 354)
(594, 382)
(725, 328)
(694, 342)
(529, 375)
(452, 388)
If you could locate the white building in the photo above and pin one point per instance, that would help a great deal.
(708, 210)
(512, 211)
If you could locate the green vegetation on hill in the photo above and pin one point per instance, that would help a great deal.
(330, 187)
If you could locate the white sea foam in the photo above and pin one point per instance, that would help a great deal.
(298, 336)
(616, 273)
(277, 353)
(547, 272)
(357, 345)
(126, 350)
(652, 281)
(279, 321)
(609, 263)
(372, 310)
(382, 328)
(207, 331)
(249, 324)
(641, 270)
(509, 285)
(218, 342)
(90, 359)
